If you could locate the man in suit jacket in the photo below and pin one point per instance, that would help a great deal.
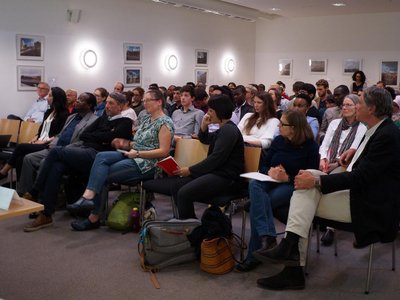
(241, 106)
(74, 126)
(365, 195)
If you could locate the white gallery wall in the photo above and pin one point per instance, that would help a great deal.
(104, 26)
(370, 37)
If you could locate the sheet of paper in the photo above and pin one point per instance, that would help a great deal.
(258, 176)
(6, 195)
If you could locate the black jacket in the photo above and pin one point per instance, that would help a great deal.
(374, 187)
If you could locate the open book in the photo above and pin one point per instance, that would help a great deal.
(169, 165)
(258, 176)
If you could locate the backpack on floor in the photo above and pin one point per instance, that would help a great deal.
(165, 243)
(119, 216)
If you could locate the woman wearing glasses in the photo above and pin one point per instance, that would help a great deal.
(342, 134)
(294, 149)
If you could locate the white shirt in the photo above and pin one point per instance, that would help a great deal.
(264, 134)
(360, 149)
(324, 148)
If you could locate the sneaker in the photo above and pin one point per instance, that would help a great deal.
(40, 222)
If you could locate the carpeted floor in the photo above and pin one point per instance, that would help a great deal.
(57, 263)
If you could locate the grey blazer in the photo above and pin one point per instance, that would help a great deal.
(88, 119)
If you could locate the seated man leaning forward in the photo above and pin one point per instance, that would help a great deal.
(138, 160)
(365, 195)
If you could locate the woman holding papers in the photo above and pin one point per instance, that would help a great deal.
(218, 173)
(294, 149)
(135, 159)
(258, 128)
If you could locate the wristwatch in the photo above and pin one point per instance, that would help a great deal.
(317, 182)
(137, 153)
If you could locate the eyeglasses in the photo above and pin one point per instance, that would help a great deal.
(147, 100)
(347, 105)
(285, 124)
(42, 88)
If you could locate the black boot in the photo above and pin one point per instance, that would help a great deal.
(267, 242)
(290, 278)
(287, 252)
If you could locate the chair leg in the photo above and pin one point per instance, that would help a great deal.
(142, 202)
(308, 251)
(318, 228)
(335, 243)
(371, 248)
(243, 235)
(394, 255)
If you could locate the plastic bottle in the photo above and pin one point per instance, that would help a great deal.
(135, 219)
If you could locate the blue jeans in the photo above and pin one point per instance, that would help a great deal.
(113, 166)
(264, 198)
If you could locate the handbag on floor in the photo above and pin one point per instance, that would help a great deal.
(217, 256)
(165, 243)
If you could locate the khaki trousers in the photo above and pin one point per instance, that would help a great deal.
(305, 204)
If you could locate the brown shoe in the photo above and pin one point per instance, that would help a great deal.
(40, 222)
(28, 196)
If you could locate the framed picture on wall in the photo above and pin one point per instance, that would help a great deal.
(132, 76)
(350, 65)
(317, 66)
(30, 47)
(132, 53)
(201, 57)
(200, 75)
(285, 67)
(28, 77)
(390, 72)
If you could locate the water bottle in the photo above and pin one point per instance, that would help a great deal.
(135, 219)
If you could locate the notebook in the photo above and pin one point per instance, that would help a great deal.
(4, 139)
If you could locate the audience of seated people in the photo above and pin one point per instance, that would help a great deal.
(85, 147)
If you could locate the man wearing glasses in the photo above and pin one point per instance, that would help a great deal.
(36, 112)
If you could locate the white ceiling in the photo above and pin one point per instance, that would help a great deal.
(311, 8)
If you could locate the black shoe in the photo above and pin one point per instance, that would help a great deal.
(358, 246)
(327, 238)
(287, 253)
(290, 278)
(81, 206)
(247, 265)
(84, 225)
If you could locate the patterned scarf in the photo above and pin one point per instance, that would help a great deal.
(333, 149)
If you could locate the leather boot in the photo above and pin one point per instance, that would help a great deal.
(287, 252)
(290, 278)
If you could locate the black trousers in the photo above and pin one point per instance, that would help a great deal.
(204, 189)
(17, 157)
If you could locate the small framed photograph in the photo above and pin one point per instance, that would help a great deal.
(132, 53)
(390, 72)
(30, 47)
(132, 76)
(285, 67)
(201, 57)
(200, 75)
(28, 77)
(351, 65)
(317, 66)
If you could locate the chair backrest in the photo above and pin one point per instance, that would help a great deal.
(251, 158)
(27, 131)
(189, 152)
(8, 126)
